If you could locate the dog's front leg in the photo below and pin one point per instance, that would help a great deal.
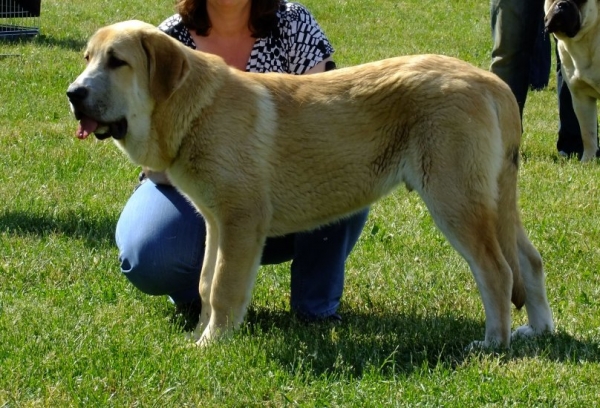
(237, 262)
(586, 112)
(208, 270)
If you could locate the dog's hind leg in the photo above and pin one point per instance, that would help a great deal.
(469, 223)
(468, 218)
(524, 259)
(508, 220)
(536, 303)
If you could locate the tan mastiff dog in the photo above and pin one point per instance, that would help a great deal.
(576, 26)
(269, 154)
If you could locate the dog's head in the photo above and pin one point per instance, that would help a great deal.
(568, 18)
(131, 66)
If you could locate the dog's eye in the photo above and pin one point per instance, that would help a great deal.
(114, 62)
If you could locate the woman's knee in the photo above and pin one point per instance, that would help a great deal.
(140, 265)
(161, 240)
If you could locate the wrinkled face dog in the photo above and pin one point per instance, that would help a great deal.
(263, 155)
(576, 27)
(566, 17)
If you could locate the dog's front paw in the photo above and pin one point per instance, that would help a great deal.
(209, 335)
(203, 341)
(198, 332)
(588, 156)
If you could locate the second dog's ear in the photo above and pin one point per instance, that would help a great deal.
(168, 65)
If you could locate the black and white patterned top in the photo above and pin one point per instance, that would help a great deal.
(299, 44)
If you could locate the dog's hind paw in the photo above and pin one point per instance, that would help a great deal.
(528, 330)
(525, 331)
(482, 345)
(476, 345)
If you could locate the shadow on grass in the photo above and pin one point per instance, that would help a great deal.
(95, 230)
(387, 343)
(48, 41)
(392, 344)
(66, 43)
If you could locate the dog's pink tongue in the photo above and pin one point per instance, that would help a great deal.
(86, 127)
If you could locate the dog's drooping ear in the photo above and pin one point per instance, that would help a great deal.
(168, 65)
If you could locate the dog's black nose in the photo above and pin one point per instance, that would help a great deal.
(77, 93)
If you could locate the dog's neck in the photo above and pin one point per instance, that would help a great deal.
(184, 108)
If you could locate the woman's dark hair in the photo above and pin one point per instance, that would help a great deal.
(263, 16)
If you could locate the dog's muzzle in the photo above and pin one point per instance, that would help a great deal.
(78, 97)
(563, 17)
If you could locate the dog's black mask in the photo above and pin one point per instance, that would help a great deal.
(564, 17)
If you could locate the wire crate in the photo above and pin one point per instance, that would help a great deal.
(19, 18)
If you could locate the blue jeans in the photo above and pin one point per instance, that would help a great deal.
(515, 28)
(161, 247)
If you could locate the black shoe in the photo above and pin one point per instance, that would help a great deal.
(188, 314)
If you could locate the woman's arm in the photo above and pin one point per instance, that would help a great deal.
(321, 66)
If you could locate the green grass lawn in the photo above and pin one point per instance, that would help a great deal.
(73, 332)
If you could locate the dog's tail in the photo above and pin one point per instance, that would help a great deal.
(509, 222)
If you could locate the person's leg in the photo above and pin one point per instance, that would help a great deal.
(161, 247)
(514, 31)
(318, 266)
(541, 59)
(160, 237)
(161, 241)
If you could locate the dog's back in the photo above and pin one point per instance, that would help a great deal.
(352, 135)
(442, 127)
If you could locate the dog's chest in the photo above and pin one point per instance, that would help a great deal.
(581, 73)
(585, 82)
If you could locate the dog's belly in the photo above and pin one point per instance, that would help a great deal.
(330, 197)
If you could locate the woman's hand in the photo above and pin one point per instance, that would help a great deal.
(158, 177)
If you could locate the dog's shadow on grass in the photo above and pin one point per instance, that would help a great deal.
(95, 230)
(392, 344)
